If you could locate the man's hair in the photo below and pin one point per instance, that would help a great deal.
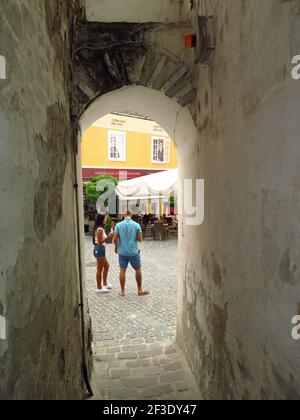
(128, 213)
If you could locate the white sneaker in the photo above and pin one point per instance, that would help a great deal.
(108, 287)
(102, 291)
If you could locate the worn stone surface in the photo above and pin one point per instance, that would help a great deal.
(139, 368)
(240, 269)
(130, 53)
(135, 322)
(144, 382)
(41, 358)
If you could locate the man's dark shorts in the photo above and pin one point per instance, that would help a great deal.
(135, 261)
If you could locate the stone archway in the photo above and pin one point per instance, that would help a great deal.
(109, 56)
(175, 119)
(178, 122)
(135, 67)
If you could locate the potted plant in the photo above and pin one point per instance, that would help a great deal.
(108, 227)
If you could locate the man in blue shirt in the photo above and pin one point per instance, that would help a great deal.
(126, 237)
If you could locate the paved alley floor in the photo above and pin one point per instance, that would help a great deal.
(135, 354)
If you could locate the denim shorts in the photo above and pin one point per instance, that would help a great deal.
(135, 262)
(99, 251)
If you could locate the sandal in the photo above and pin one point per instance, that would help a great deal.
(144, 293)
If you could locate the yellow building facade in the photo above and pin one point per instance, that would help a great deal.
(126, 147)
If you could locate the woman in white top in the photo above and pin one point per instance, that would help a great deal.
(99, 239)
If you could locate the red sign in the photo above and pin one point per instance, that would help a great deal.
(121, 174)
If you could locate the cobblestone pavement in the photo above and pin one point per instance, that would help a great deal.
(118, 320)
(142, 372)
(135, 355)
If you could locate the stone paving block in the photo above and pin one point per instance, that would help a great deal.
(146, 371)
(122, 394)
(171, 350)
(156, 391)
(105, 384)
(126, 341)
(116, 364)
(113, 343)
(138, 363)
(150, 353)
(138, 341)
(112, 350)
(139, 382)
(156, 346)
(170, 377)
(131, 335)
(103, 373)
(127, 355)
(182, 386)
(165, 360)
(120, 373)
(150, 340)
(173, 366)
(120, 335)
(105, 357)
(160, 339)
(99, 344)
(135, 347)
(100, 350)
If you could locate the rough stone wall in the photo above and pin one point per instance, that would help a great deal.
(41, 358)
(241, 268)
(109, 56)
(133, 11)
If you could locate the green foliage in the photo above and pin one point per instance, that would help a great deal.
(92, 194)
(108, 224)
(173, 201)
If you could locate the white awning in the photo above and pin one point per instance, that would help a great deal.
(155, 186)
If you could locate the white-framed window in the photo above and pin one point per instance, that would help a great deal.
(117, 146)
(160, 150)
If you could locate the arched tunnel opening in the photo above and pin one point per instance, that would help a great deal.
(134, 340)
